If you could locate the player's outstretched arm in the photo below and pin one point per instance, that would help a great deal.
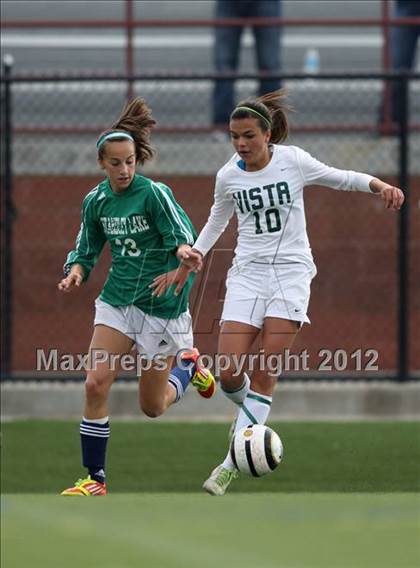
(74, 278)
(391, 195)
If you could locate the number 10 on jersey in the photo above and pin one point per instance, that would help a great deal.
(272, 220)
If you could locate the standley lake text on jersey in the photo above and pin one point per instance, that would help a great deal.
(124, 225)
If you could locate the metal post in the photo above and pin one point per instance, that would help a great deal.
(6, 220)
(386, 126)
(129, 47)
(403, 252)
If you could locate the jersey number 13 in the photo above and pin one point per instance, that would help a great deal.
(129, 247)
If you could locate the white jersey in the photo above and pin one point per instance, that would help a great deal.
(269, 205)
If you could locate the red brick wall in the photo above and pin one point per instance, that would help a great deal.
(354, 300)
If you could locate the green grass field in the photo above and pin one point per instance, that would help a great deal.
(190, 530)
(345, 496)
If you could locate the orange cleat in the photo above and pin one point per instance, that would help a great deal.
(203, 379)
(86, 488)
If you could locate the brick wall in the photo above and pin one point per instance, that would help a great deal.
(354, 296)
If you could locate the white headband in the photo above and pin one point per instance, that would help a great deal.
(111, 135)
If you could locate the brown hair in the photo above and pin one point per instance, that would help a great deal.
(136, 119)
(271, 112)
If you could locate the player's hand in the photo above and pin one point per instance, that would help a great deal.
(183, 252)
(178, 276)
(392, 196)
(190, 257)
(74, 279)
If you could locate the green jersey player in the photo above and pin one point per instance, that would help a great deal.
(148, 233)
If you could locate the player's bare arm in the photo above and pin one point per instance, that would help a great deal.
(74, 279)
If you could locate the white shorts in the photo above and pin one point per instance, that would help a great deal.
(257, 290)
(152, 336)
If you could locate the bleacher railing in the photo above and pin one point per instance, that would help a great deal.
(129, 24)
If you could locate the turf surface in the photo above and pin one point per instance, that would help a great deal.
(345, 496)
(44, 457)
(190, 530)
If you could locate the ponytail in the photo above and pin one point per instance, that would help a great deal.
(136, 120)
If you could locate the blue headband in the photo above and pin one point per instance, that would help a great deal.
(111, 135)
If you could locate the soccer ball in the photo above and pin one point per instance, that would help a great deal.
(256, 450)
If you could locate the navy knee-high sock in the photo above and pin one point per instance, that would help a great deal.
(94, 436)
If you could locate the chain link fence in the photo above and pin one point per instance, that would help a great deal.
(355, 297)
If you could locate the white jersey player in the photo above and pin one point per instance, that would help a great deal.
(268, 285)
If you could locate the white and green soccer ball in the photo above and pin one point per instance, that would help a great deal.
(256, 450)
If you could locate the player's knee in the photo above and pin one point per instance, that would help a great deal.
(152, 410)
(229, 379)
(95, 387)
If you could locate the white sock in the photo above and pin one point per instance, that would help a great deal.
(254, 410)
(96, 420)
(238, 396)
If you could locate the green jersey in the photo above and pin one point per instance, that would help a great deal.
(144, 226)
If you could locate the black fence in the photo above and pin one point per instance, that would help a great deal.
(50, 123)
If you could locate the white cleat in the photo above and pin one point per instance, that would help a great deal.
(219, 480)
